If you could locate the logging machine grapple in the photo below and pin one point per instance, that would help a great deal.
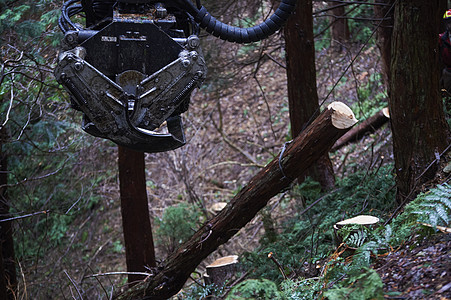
(131, 68)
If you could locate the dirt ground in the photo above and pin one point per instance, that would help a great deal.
(419, 270)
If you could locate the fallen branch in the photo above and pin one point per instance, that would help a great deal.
(370, 125)
(297, 156)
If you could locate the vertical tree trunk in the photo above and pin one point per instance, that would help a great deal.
(8, 278)
(383, 35)
(339, 27)
(139, 247)
(419, 129)
(301, 77)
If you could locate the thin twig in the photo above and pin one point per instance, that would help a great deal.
(25, 216)
(74, 284)
(271, 257)
(118, 273)
(101, 285)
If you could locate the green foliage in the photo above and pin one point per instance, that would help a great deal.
(371, 100)
(255, 289)
(118, 247)
(433, 208)
(356, 238)
(196, 292)
(11, 16)
(362, 286)
(360, 30)
(309, 238)
(447, 108)
(45, 146)
(177, 224)
(303, 289)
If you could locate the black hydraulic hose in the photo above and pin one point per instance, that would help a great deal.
(243, 35)
(67, 11)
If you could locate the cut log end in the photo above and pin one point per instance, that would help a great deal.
(360, 220)
(386, 112)
(223, 261)
(343, 117)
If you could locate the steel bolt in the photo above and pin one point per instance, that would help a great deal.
(78, 66)
(71, 38)
(193, 42)
(194, 55)
(186, 63)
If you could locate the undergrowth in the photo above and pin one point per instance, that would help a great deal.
(315, 265)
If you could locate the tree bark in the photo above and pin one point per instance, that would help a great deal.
(301, 83)
(301, 153)
(370, 125)
(420, 132)
(139, 247)
(339, 26)
(8, 280)
(383, 35)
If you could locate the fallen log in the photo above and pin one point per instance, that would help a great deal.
(316, 140)
(370, 125)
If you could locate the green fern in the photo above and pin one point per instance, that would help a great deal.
(434, 207)
(356, 239)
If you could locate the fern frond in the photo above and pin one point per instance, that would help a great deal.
(433, 219)
(441, 211)
(357, 239)
(388, 233)
(440, 198)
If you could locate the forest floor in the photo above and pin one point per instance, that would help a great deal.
(419, 270)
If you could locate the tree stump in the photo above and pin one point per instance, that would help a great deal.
(222, 269)
(364, 220)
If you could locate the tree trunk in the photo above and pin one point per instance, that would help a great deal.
(301, 82)
(339, 25)
(420, 132)
(8, 280)
(303, 151)
(139, 247)
(383, 35)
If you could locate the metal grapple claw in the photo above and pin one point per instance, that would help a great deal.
(131, 77)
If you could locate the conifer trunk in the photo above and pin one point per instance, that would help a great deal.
(339, 27)
(384, 33)
(301, 83)
(139, 247)
(8, 277)
(420, 132)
